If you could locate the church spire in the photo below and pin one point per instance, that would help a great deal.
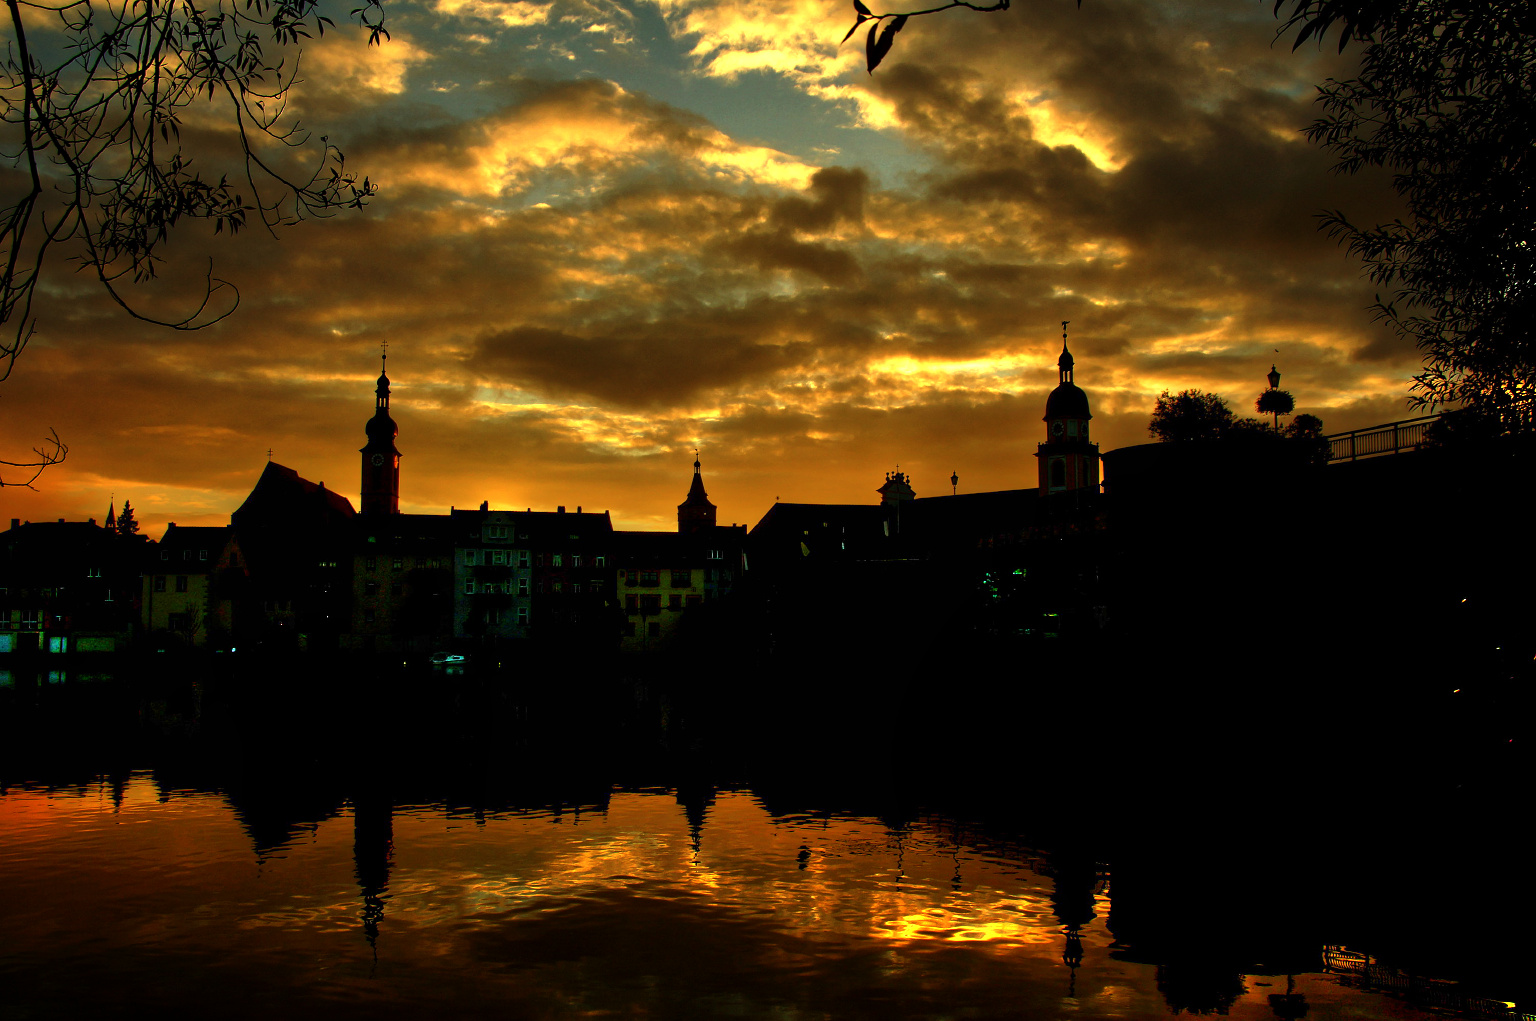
(1064, 363)
(695, 513)
(111, 524)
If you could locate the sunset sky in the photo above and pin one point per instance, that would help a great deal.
(608, 233)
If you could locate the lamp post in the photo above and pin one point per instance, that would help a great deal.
(954, 484)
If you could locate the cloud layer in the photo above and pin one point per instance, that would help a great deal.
(581, 277)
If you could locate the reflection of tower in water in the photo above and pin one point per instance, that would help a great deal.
(1076, 879)
(373, 851)
(695, 798)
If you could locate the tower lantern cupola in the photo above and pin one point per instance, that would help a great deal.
(1067, 460)
(381, 460)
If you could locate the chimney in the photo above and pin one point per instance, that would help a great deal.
(15, 522)
(578, 508)
(61, 521)
(558, 510)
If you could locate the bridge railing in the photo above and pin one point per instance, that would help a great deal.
(1392, 438)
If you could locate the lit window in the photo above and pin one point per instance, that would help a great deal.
(399, 562)
(522, 614)
(599, 561)
(469, 557)
(555, 561)
(682, 579)
(371, 564)
(576, 588)
(202, 554)
(469, 586)
(522, 558)
(522, 586)
(575, 559)
(498, 556)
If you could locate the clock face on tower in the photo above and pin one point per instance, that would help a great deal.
(378, 460)
(1056, 428)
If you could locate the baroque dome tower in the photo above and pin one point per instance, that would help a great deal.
(1067, 461)
(381, 461)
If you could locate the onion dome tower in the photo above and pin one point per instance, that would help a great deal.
(695, 514)
(1067, 461)
(381, 461)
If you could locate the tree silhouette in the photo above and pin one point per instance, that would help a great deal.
(1443, 99)
(1190, 415)
(94, 115)
(127, 524)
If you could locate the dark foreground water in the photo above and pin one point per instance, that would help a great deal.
(482, 856)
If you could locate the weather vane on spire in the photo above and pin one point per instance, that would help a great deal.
(1064, 323)
(384, 351)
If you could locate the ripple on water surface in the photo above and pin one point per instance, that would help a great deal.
(121, 900)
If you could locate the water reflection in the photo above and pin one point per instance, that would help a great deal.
(686, 902)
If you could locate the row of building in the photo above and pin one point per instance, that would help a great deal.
(299, 567)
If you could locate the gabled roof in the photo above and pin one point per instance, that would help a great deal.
(281, 495)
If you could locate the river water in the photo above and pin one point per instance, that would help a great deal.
(300, 878)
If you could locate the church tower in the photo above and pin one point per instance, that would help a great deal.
(1067, 461)
(381, 461)
(695, 514)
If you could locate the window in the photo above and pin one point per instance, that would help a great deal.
(159, 583)
(631, 604)
(202, 554)
(595, 585)
(674, 602)
(650, 604)
(186, 554)
(522, 558)
(179, 621)
(396, 588)
(367, 616)
(522, 586)
(1071, 427)
(165, 555)
(371, 588)
(694, 600)
(650, 578)
(682, 579)
(654, 630)
(498, 556)
(493, 616)
(1058, 474)
(629, 629)
(496, 532)
(575, 559)
(555, 560)
(469, 586)
(93, 572)
(599, 561)
(556, 587)
(576, 588)
(398, 563)
(181, 583)
(469, 557)
(715, 554)
(522, 615)
(29, 620)
(371, 563)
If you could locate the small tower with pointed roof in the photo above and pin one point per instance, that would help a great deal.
(381, 461)
(695, 514)
(111, 524)
(1067, 460)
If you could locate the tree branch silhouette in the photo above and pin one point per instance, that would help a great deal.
(92, 124)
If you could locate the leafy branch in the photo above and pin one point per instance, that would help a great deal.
(879, 41)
